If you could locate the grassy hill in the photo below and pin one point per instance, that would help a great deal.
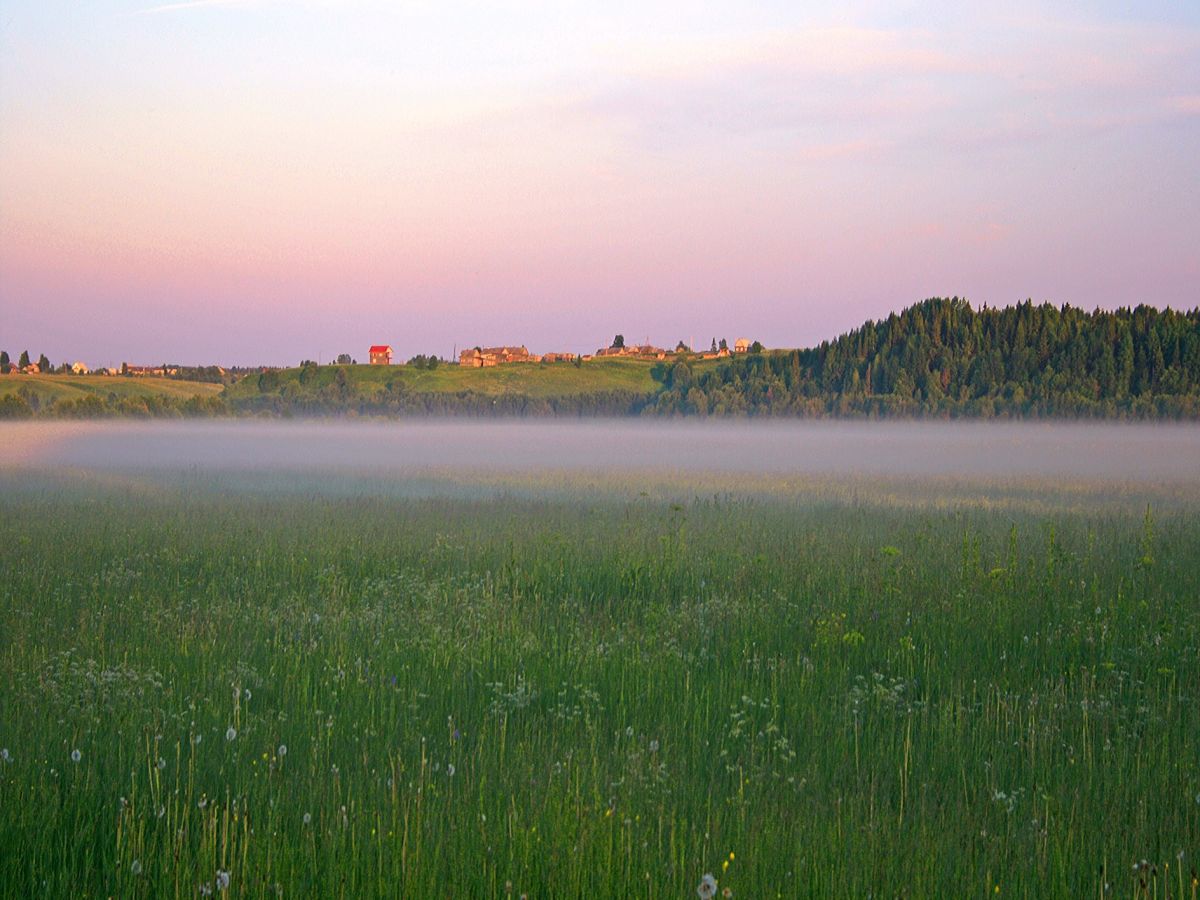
(73, 387)
(597, 386)
(98, 395)
(532, 379)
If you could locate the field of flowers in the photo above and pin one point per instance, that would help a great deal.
(596, 692)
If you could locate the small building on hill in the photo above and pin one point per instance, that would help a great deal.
(485, 357)
(741, 345)
(79, 368)
(381, 355)
(639, 351)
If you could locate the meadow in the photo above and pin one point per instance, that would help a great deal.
(559, 686)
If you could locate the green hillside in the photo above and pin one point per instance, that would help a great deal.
(612, 386)
(98, 395)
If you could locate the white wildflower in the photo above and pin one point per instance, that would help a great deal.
(308, 818)
(246, 695)
(197, 738)
(230, 733)
(282, 751)
(4, 755)
(162, 764)
(136, 867)
(654, 746)
(222, 880)
(450, 769)
(707, 889)
(206, 890)
(76, 756)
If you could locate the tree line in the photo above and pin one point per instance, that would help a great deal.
(943, 358)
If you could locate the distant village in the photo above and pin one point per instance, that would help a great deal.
(382, 355)
(484, 357)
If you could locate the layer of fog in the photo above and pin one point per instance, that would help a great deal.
(1121, 453)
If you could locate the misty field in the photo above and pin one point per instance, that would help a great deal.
(596, 691)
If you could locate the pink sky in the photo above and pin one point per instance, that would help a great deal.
(259, 182)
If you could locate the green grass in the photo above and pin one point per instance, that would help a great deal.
(805, 695)
(73, 387)
(529, 379)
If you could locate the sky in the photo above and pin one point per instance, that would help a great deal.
(261, 181)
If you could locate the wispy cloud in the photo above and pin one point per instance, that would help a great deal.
(1187, 105)
(192, 4)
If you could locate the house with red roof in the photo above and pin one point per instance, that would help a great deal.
(381, 355)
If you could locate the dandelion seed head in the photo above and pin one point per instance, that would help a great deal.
(136, 867)
(282, 751)
(230, 733)
(308, 818)
(161, 764)
(206, 889)
(450, 769)
(76, 756)
(222, 880)
(708, 887)
(654, 746)
(4, 755)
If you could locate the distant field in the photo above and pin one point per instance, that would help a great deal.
(74, 387)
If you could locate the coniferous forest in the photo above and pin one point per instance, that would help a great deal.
(943, 358)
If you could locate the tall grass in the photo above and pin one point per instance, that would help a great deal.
(594, 694)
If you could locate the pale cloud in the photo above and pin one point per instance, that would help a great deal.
(843, 51)
(841, 92)
(194, 4)
(1187, 105)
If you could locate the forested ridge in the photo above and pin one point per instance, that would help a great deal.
(943, 358)
(940, 358)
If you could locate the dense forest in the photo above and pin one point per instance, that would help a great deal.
(940, 358)
(943, 358)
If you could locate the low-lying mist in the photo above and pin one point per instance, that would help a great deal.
(1091, 452)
